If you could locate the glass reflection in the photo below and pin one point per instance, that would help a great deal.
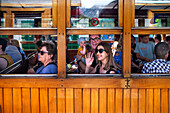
(94, 13)
(152, 13)
(26, 13)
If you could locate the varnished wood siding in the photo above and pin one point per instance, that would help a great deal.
(39, 98)
(84, 100)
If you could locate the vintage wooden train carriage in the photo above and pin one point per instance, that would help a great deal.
(75, 93)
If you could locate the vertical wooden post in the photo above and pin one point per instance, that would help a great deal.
(54, 13)
(120, 13)
(68, 13)
(61, 33)
(133, 13)
(127, 20)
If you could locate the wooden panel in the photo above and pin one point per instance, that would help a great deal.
(17, 100)
(26, 100)
(35, 101)
(86, 100)
(69, 100)
(150, 83)
(119, 101)
(133, 13)
(68, 13)
(111, 100)
(94, 101)
(93, 31)
(61, 100)
(8, 100)
(44, 100)
(126, 101)
(120, 13)
(61, 34)
(126, 64)
(52, 100)
(78, 100)
(54, 13)
(151, 31)
(106, 82)
(28, 31)
(157, 100)
(164, 100)
(102, 100)
(149, 100)
(1, 100)
(142, 101)
(134, 101)
(24, 9)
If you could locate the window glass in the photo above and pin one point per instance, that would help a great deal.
(26, 13)
(152, 13)
(26, 56)
(94, 13)
(74, 45)
(150, 54)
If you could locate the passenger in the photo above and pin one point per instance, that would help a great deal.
(94, 41)
(15, 42)
(151, 40)
(36, 65)
(145, 50)
(159, 65)
(13, 52)
(105, 60)
(82, 48)
(157, 39)
(5, 60)
(47, 55)
(167, 40)
(133, 46)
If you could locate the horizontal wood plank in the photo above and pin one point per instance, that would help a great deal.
(93, 31)
(151, 30)
(66, 83)
(150, 83)
(28, 31)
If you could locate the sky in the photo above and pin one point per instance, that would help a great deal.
(90, 3)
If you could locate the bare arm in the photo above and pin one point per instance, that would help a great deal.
(143, 58)
(83, 52)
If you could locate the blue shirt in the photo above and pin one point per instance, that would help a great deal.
(145, 49)
(49, 69)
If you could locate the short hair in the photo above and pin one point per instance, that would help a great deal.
(151, 39)
(161, 49)
(168, 38)
(143, 36)
(39, 43)
(158, 37)
(15, 42)
(3, 42)
(52, 49)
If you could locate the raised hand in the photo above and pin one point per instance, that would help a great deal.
(89, 59)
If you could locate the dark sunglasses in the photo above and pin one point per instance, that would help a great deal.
(96, 38)
(99, 50)
(42, 52)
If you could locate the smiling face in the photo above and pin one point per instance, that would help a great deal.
(101, 53)
(43, 55)
(94, 41)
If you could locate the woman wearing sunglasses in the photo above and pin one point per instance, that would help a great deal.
(47, 56)
(105, 60)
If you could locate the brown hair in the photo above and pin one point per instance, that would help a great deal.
(108, 50)
(15, 42)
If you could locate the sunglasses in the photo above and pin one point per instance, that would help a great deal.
(96, 38)
(42, 52)
(99, 50)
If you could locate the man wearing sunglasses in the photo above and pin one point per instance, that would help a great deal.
(94, 41)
